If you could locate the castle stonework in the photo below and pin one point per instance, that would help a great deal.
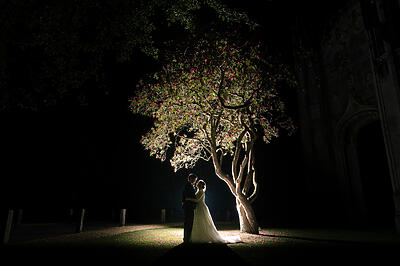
(349, 111)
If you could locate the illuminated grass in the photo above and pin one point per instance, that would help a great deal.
(157, 238)
(167, 238)
(152, 245)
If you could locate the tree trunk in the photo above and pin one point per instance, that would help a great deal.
(247, 218)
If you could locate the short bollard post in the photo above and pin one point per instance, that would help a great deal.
(163, 216)
(122, 217)
(7, 231)
(79, 228)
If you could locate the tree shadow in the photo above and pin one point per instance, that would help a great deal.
(314, 239)
(200, 254)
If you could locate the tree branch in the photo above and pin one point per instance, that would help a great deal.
(204, 145)
(241, 171)
(217, 163)
(250, 170)
(221, 158)
(254, 195)
(249, 148)
(218, 171)
(222, 100)
(236, 155)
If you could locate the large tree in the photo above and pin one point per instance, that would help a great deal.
(212, 101)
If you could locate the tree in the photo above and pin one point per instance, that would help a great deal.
(51, 51)
(212, 101)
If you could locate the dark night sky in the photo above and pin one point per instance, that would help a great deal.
(91, 157)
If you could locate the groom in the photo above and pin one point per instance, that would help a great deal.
(188, 206)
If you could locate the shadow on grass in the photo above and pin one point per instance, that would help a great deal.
(201, 254)
(60, 254)
(290, 253)
(314, 253)
(314, 239)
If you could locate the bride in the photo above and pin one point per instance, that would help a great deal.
(204, 230)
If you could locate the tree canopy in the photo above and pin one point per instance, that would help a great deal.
(51, 50)
(211, 98)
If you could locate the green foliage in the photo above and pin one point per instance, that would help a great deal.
(207, 97)
(53, 49)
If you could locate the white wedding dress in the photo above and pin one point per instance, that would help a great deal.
(204, 230)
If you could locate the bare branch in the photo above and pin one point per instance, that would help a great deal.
(247, 182)
(241, 170)
(246, 185)
(254, 195)
(207, 159)
(218, 171)
(205, 131)
(236, 155)
(247, 160)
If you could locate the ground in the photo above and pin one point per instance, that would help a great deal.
(162, 244)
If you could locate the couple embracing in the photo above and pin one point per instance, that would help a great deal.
(198, 225)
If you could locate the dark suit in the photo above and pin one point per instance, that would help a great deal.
(188, 210)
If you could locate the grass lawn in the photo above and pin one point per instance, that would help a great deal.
(163, 246)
